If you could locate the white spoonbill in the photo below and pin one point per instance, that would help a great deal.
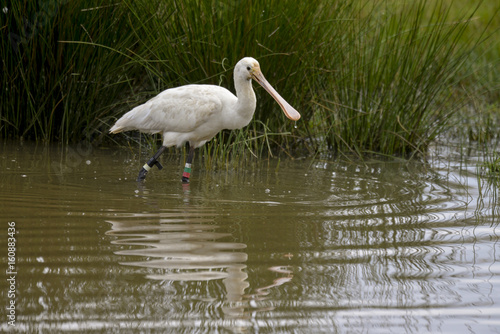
(196, 113)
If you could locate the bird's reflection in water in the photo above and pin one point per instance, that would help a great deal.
(187, 252)
(187, 246)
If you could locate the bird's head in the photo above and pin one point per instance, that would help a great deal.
(246, 68)
(249, 69)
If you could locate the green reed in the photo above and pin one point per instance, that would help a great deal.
(393, 93)
(367, 76)
(55, 90)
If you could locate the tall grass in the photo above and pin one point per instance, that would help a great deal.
(367, 76)
(391, 93)
(53, 90)
(478, 117)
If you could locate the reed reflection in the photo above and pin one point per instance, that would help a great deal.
(399, 228)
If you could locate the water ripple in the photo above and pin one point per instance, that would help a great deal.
(306, 247)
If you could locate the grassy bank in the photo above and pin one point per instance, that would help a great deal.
(367, 76)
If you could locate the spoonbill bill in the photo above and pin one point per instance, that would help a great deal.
(196, 113)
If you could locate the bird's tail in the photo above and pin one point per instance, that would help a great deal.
(115, 129)
(138, 118)
(125, 123)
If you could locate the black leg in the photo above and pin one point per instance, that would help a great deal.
(148, 165)
(187, 167)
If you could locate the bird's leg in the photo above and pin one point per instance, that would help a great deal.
(187, 167)
(150, 164)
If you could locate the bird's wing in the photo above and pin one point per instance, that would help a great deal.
(180, 109)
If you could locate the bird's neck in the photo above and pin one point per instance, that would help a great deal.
(246, 99)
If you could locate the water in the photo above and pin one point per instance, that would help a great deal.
(306, 246)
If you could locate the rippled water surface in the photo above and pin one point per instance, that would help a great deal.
(303, 246)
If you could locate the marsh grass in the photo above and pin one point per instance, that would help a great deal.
(392, 96)
(488, 178)
(57, 91)
(493, 165)
(367, 76)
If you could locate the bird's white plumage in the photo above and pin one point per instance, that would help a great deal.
(196, 113)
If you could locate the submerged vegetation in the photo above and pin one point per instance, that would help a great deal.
(367, 76)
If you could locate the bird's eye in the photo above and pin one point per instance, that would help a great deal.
(248, 68)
